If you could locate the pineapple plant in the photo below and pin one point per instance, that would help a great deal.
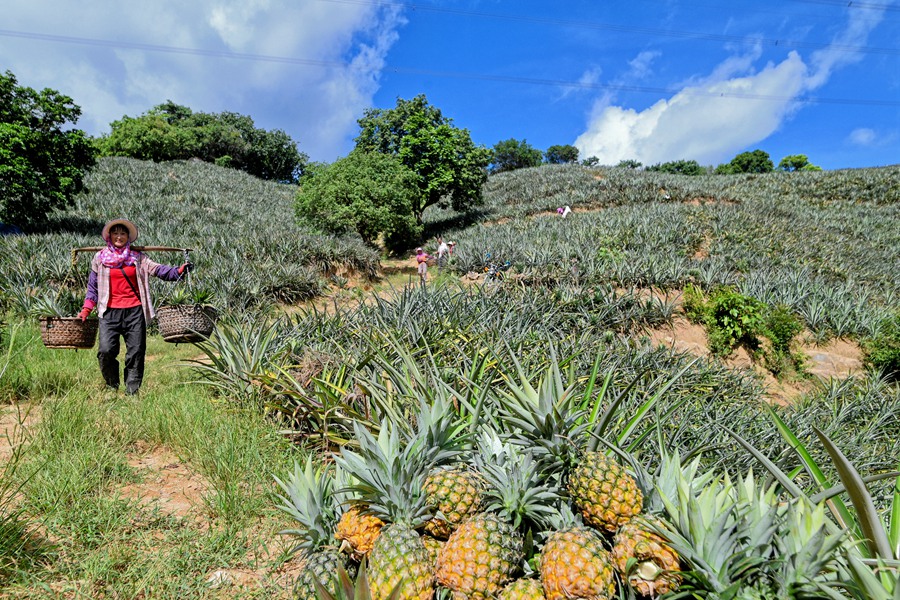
(391, 472)
(644, 559)
(311, 498)
(486, 552)
(456, 494)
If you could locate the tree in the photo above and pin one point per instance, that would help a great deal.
(797, 162)
(449, 167)
(170, 131)
(42, 164)
(629, 164)
(512, 154)
(679, 167)
(368, 193)
(557, 155)
(757, 161)
(591, 161)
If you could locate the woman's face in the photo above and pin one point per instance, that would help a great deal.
(118, 235)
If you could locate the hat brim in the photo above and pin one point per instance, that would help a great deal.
(131, 227)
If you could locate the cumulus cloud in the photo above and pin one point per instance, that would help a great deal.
(309, 68)
(714, 116)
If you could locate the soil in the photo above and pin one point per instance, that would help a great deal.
(837, 359)
(17, 421)
(166, 483)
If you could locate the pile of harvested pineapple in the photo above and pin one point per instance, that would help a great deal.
(519, 505)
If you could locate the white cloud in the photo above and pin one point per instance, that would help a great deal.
(718, 114)
(317, 104)
(702, 122)
(862, 136)
(641, 64)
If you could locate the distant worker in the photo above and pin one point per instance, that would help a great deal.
(564, 211)
(422, 259)
(443, 252)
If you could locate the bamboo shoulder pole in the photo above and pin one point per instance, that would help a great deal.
(75, 251)
(135, 247)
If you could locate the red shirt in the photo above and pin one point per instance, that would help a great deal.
(121, 293)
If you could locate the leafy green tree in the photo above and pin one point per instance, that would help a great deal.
(558, 155)
(678, 167)
(368, 193)
(512, 154)
(42, 164)
(757, 161)
(797, 162)
(591, 161)
(449, 167)
(170, 131)
(629, 164)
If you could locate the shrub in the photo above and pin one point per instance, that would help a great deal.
(882, 350)
(694, 304)
(781, 327)
(734, 320)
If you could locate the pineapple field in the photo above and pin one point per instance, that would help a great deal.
(348, 433)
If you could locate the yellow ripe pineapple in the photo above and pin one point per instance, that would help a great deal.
(433, 546)
(358, 530)
(486, 552)
(390, 474)
(655, 569)
(523, 589)
(574, 564)
(457, 494)
(606, 495)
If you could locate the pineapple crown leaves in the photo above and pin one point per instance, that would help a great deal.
(310, 498)
(347, 589)
(391, 472)
(516, 489)
(546, 418)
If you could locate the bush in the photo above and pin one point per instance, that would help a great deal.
(882, 350)
(781, 327)
(694, 304)
(733, 320)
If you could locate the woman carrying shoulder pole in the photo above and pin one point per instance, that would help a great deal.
(119, 288)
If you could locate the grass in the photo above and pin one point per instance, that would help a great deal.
(102, 541)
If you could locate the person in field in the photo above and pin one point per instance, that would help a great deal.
(443, 252)
(422, 259)
(119, 288)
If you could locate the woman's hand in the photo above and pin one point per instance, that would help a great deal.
(185, 268)
(83, 315)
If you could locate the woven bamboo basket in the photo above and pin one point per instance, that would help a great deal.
(68, 332)
(186, 322)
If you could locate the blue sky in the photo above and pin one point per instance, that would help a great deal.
(650, 80)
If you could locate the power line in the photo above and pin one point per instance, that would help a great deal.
(430, 72)
(674, 33)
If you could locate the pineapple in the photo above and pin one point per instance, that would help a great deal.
(456, 493)
(390, 473)
(523, 589)
(311, 498)
(604, 492)
(433, 545)
(549, 420)
(485, 552)
(358, 530)
(655, 569)
(575, 565)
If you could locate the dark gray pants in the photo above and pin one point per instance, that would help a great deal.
(129, 324)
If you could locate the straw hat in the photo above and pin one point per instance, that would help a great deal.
(131, 227)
